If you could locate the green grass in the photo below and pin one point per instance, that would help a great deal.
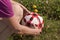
(51, 30)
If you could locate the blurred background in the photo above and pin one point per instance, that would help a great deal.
(50, 11)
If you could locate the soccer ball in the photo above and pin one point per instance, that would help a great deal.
(33, 19)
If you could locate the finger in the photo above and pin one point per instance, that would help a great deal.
(35, 26)
(19, 33)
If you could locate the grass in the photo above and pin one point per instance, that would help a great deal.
(51, 30)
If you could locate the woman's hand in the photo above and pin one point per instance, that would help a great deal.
(30, 31)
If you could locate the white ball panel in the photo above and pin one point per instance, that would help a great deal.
(35, 21)
(41, 19)
(28, 17)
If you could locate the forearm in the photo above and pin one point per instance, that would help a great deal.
(24, 8)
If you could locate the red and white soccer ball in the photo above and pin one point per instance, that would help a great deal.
(33, 19)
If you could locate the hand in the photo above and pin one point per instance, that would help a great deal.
(30, 31)
(37, 30)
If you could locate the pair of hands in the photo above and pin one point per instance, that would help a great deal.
(31, 31)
